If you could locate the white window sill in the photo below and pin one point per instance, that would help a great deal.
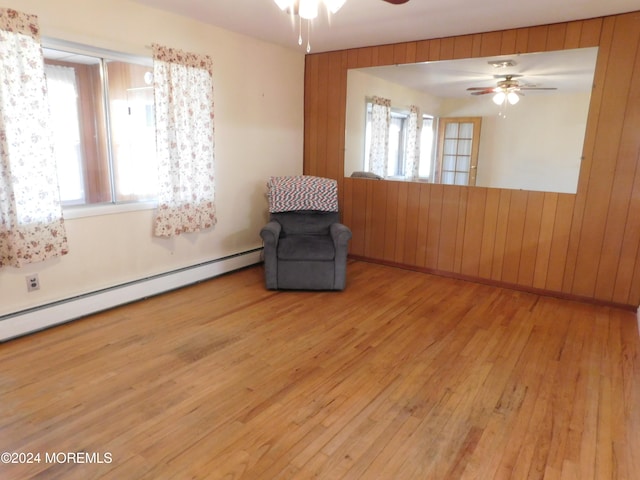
(72, 212)
(405, 179)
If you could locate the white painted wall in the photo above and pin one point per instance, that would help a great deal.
(259, 93)
(536, 145)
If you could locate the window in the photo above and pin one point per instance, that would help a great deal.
(398, 148)
(397, 140)
(104, 128)
(397, 143)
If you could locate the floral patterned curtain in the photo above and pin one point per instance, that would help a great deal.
(183, 85)
(379, 148)
(31, 223)
(412, 161)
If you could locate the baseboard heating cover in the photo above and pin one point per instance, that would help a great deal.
(62, 311)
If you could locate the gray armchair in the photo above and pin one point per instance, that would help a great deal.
(305, 249)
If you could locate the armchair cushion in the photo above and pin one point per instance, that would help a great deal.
(306, 222)
(306, 247)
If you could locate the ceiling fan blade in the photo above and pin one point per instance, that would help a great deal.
(506, 77)
(538, 88)
(482, 91)
(396, 2)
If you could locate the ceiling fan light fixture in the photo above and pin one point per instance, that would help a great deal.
(502, 63)
(285, 5)
(308, 9)
(334, 5)
(513, 98)
(499, 98)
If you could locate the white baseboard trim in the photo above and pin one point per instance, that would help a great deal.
(45, 316)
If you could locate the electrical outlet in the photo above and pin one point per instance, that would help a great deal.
(33, 283)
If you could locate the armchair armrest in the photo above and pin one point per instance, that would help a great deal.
(270, 234)
(341, 234)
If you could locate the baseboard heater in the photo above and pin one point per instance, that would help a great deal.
(44, 316)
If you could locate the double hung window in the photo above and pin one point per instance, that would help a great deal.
(102, 111)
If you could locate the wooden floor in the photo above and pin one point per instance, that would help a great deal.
(401, 376)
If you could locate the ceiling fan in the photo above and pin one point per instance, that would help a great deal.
(307, 10)
(507, 89)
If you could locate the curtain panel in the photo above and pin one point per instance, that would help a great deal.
(31, 224)
(412, 162)
(379, 148)
(183, 86)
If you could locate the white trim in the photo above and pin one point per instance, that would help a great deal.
(28, 321)
(89, 50)
(71, 212)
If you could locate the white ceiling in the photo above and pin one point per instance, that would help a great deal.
(374, 22)
(568, 71)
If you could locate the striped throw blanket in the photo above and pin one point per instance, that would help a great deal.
(302, 192)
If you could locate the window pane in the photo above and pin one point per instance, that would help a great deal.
(463, 164)
(450, 147)
(426, 147)
(449, 162)
(451, 130)
(448, 178)
(84, 174)
(464, 147)
(62, 92)
(466, 130)
(131, 111)
(462, 178)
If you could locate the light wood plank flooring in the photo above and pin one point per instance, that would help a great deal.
(401, 376)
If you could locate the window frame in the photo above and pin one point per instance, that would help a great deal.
(72, 211)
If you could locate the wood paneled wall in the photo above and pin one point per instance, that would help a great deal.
(584, 245)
